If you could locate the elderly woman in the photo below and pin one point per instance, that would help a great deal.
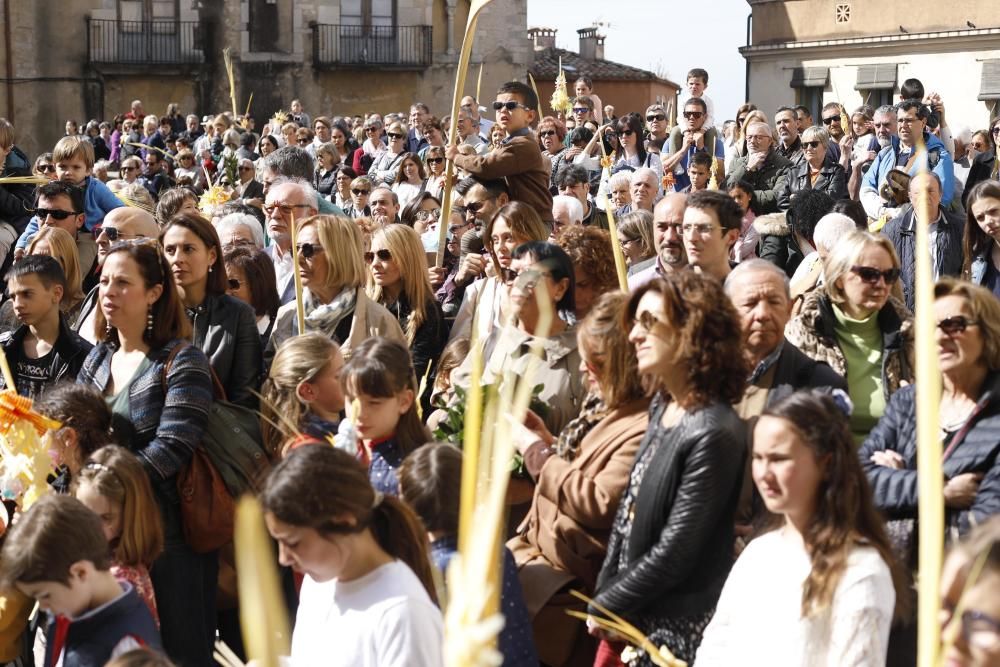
(968, 345)
(856, 327)
(670, 548)
(333, 273)
(579, 479)
(324, 178)
(981, 242)
(635, 234)
(620, 185)
(387, 162)
(817, 170)
(593, 265)
(551, 134)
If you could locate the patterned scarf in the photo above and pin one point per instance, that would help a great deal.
(325, 317)
(593, 411)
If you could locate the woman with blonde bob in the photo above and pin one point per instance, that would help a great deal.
(857, 327)
(59, 244)
(398, 280)
(333, 273)
(635, 235)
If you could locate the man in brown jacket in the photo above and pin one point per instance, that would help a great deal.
(518, 159)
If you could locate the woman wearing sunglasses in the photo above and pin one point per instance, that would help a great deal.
(333, 271)
(858, 327)
(387, 162)
(251, 279)
(631, 153)
(397, 279)
(225, 328)
(434, 159)
(671, 543)
(986, 164)
(816, 171)
(968, 344)
(551, 134)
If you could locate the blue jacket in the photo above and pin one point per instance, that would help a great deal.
(940, 163)
(98, 201)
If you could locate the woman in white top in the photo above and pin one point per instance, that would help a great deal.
(822, 587)
(631, 151)
(410, 179)
(367, 599)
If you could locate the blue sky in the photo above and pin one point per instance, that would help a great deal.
(665, 36)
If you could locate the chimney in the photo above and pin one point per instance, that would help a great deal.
(542, 38)
(591, 44)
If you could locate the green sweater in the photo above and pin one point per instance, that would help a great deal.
(861, 343)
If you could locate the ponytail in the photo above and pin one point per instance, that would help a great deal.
(399, 532)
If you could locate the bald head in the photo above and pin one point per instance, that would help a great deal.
(129, 223)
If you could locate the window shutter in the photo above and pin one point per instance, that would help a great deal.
(989, 89)
(810, 77)
(874, 77)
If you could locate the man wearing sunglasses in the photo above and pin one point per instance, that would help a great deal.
(689, 137)
(656, 122)
(518, 159)
(62, 205)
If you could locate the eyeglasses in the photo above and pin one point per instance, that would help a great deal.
(394, 135)
(546, 133)
(831, 120)
(871, 275)
(510, 106)
(580, 109)
(452, 229)
(699, 228)
(477, 206)
(956, 324)
(308, 250)
(626, 242)
(432, 214)
(907, 121)
(56, 214)
(648, 321)
(810, 144)
(233, 283)
(383, 255)
(50, 169)
(524, 280)
(693, 115)
(286, 209)
(129, 168)
(112, 233)
(655, 117)
(625, 133)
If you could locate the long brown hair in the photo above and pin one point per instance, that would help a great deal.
(601, 335)
(975, 241)
(169, 319)
(215, 281)
(845, 514)
(316, 483)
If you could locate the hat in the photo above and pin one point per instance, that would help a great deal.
(205, 120)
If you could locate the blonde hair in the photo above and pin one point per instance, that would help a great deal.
(298, 360)
(136, 196)
(6, 133)
(407, 251)
(845, 254)
(63, 248)
(341, 241)
(985, 311)
(69, 148)
(117, 475)
(816, 133)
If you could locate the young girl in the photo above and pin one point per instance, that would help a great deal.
(367, 597)
(113, 484)
(746, 243)
(303, 390)
(380, 377)
(411, 179)
(86, 426)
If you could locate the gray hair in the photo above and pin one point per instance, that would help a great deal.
(395, 197)
(233, 220)
(816, 133)
(645, 172)
(291, 162)
(885, 110)
(831, 228)
(619, 179)
(305, 187)
(738, 275)
(571, 203)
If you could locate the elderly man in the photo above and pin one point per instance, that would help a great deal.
(384, 205)
(468, 132)
(286, 198)
(120, 224)
(763, 168)
(293, 162)
(483, 124)
(249, 187)
(566, 211)
(645, 185)
(574, 180)
(668, 217)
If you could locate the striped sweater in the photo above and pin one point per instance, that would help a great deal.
(167, 428)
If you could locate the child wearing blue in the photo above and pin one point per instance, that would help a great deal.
(74, 159)
(58, 554)
(429, 482)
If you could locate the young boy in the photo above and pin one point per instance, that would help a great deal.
(518, 159)
(74, 158)
(697, 82)
(58, 554)
(43, 349)
(699, 171)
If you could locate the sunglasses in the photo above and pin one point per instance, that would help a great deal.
(510, 106)
(810, 144)
(358, 192)
(655, 117)
(186, 158)
(112, 233)
(452, 229)
(995, 131)
(625, 133)
(129, 168)
(476, 206)
(871, 275)
(693, 115)
(309, 250)
(50, 169)
(580, 109)
(524, 280)
(303, 141)
(428, 215)
(393, 135)
(648, 321)
(371, 129)
(56, 214)
(831, 120)
(435, 160)
(233, 283)
(547, 133)
(383, 255)
(955, 324)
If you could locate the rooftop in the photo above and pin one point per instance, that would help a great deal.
(546, 66)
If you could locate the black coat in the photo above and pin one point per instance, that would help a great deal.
(16, 200)
(831, 180)
(69, 352)
(980, 170)
(795, 370)
(895, 491)
(225, 329)
(680, 547)
(903, 235)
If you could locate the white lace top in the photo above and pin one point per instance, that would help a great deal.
(758, 619)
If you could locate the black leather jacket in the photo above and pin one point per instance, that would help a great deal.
(831, 180)
(70, 351)
(680, 547)
(225, 329)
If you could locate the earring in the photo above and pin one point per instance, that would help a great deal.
(149, 322)
(209, 269)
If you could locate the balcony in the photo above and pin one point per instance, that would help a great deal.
(144, 43)
(377, 47)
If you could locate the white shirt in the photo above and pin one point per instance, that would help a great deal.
(383, 619)
(758, 620)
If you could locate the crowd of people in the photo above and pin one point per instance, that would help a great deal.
(750, 398)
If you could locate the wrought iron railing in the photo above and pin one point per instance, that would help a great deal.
(160, 42)
(386, 46)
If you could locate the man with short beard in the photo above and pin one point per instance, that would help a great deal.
(668, 216)
(789, 144)
(884, 121)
